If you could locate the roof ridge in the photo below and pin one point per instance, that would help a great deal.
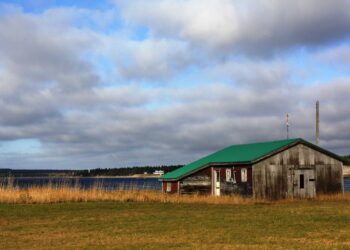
(263, 142)
(243, 153)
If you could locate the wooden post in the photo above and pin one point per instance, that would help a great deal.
(317, 123)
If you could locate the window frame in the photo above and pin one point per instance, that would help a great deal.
(244, 175)
(168, 187)
(228, 174)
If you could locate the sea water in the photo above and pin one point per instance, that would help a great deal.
(108, 183)
(347, 184)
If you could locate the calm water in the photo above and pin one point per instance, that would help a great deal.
(347, 184)
(88, 182)
(103, 183)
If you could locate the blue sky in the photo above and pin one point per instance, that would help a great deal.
(88, 84)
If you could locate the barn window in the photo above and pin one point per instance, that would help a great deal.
(228, 175)
(168, 187)
(244, 175)
(217, 175)
(301, 181)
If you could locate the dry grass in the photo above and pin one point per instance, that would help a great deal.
(334, 197)
(56, 194)
(90, 219)
(50, 194)
(155, 225)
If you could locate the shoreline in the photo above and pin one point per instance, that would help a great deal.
(95, 177)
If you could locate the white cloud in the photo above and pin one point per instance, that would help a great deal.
(150, 59)
(250, 27)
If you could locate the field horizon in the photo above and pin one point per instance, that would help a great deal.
(156, 225)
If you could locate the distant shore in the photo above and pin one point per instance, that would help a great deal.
(121, 176)
(99, 176)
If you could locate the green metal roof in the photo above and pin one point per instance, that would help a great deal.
(244, 153)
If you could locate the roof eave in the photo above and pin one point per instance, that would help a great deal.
(274, 152)
(211, 164)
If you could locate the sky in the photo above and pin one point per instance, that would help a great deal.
(88, 84)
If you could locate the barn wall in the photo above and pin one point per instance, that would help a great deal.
(197, 183)
(201, 182)
(238, 186)
(173, 185)
(274, 177)
(326, 176)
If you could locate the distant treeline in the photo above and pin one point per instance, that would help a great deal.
(125, 171)
(5, 172)
(347, 158)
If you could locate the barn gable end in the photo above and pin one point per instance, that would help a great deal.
(279, 176)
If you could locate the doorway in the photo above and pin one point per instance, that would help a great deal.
(217, 182)
(304, 183)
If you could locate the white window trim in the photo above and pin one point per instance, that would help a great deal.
(168, 187)
(234, 177)
(244, 175)
(228, 175)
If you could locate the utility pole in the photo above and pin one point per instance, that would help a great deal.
(317, 123)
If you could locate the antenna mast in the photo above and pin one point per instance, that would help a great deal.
(287, 125)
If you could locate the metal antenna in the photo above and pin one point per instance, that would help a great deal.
(287, 125)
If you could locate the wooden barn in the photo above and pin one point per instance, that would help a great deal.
(273, 170)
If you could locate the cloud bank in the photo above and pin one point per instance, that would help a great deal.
(165, 82)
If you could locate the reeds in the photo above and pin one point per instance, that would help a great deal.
(65, 193)
(334, 197)
(56, 194)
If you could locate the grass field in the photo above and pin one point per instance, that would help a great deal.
(156, 225)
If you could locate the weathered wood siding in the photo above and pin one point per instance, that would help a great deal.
(277, 176)
(236, 186)
(201, 182)
(197, 183)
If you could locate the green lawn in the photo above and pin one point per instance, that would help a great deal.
(114, 225)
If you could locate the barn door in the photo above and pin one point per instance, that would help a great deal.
(217, 182)
(304, 183)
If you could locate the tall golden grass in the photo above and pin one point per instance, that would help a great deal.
(50, 194)
(54, 194)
